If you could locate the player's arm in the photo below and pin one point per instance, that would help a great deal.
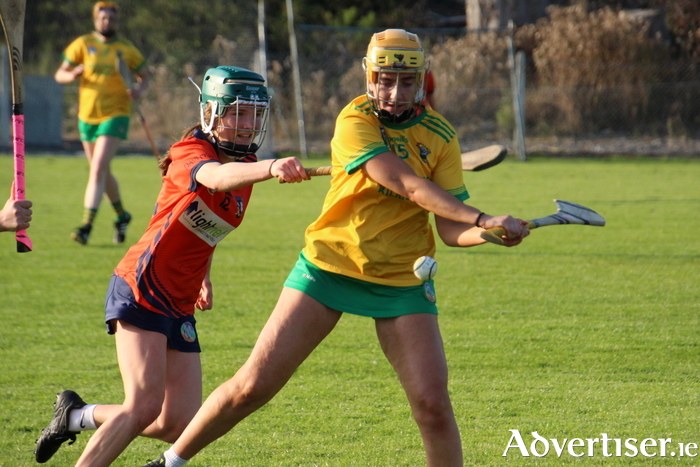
(67, 73)
(390, 171)
(454, 233)
(235, 175)
(143, 78)
(205, 300)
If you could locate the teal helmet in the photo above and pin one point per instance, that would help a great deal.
(224, 87)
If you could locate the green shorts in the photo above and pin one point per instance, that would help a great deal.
(358, 297)
(117, 126)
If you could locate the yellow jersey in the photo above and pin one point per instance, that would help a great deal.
(365, 230)
(102, 89)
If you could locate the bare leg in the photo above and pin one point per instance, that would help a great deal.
(101, 181)
(413, 345)
(183, 397)
(147, 366)
(296, 326)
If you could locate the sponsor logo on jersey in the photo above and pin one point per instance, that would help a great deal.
(397, 139)
(387, 192)
(204, 223)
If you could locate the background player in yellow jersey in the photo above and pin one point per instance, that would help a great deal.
(105, 106)
(394, 162)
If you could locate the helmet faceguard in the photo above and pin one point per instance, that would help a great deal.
(228, 87)
(394, 58)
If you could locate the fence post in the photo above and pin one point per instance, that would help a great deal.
(267, 149)
(517, 81)
(520, 95)
(297, 79)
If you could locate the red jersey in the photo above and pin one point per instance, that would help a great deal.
(166, 267)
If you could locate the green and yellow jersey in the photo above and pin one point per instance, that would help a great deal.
(102, 89)
(365, 230)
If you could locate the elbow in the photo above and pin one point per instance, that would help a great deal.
(413, 193)
(219, 185)
(212, 182)
(227, 184)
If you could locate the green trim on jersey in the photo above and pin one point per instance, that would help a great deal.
(366, 154)
(366, 107)
(438, 127)
(460, 193)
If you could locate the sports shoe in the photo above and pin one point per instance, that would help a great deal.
(120, 226)
(81, 234)
(57, 432)
(160, 462)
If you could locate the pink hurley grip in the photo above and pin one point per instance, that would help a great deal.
(18, 131)
(24, 243)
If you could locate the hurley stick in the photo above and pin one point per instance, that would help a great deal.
(12, 15)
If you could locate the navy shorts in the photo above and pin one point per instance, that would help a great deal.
(121, 304)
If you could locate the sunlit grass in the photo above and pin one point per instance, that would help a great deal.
(579, 331)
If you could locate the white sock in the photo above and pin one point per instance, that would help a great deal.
(173, 460)
(82, 419)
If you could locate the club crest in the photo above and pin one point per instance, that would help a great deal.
(424, 152)
(188, 332)
(429, 291)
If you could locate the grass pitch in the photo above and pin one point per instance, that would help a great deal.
(580, 331)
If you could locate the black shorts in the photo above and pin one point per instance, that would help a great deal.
(121, 304)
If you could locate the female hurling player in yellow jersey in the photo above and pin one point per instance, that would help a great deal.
(394, 162)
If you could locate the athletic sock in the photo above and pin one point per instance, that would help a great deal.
(119, 210)
(89, 215)
(82, 419)
(173, 460)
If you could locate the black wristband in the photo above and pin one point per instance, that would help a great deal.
(478, 218)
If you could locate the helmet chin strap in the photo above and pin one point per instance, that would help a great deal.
(208, 127)
(236, 150)
(404, 116)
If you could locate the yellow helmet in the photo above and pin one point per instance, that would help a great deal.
(395, 51)
(104, 5)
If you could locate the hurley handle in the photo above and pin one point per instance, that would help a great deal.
(494, 234)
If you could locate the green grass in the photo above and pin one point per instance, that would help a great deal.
(579, 331)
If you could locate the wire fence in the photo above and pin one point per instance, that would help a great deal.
(637, 107)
